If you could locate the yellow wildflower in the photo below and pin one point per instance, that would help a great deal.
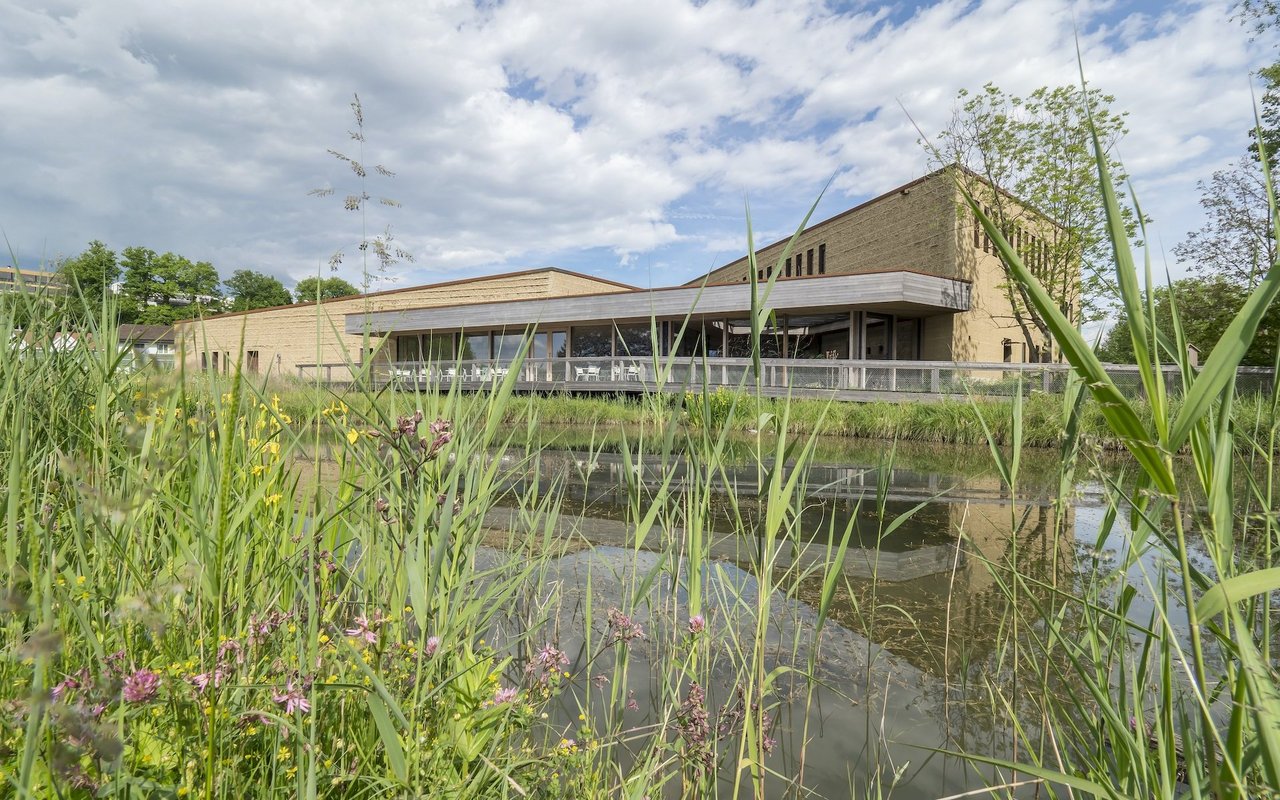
(353, 435)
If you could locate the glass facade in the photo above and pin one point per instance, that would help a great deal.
(817, 335)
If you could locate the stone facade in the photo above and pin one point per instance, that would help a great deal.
(925, 226)
(276, 341)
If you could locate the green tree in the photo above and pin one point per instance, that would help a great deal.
(159, 289)
(250, 290)
(1039, 149)
(1206, 306)
(329, 289)
(1236, 242)
(89, 277)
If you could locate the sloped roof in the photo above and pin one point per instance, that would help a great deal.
(420, 287)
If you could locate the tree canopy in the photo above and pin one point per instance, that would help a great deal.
(1206, 305)
(249, 290)
(1236, 241)
(89, 276)
(329, 289)
(159, 289)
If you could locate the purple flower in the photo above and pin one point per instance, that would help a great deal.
(202, 681)
(140, 686)
(230, 646)
(433, 644)
(364, 629)
(75, 681)
(440, 426)
(407, 425)
(622, 628)
(292, 698)
(546, 662)
(260, 629)
(697, 624)
(693, 724)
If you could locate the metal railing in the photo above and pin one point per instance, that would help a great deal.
(777, 375)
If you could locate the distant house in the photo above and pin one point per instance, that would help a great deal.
(32, 280)
(148, 343)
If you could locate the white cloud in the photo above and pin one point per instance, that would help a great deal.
(618, 138)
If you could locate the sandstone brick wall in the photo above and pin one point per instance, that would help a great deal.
(926, 227)
(911, 228)
(307, 333)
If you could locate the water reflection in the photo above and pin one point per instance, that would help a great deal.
(926, 556)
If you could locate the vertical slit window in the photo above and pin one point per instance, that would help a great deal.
(822, 259)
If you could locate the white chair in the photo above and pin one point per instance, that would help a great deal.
(593, 373)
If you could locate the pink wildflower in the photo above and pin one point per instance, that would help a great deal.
(230, 646)
(697, 624)
(363, 630)
(433, 644)
(202, 681)
(292, 698)
(622, 628)
(504, 695)
(547, 662)
(140, 686)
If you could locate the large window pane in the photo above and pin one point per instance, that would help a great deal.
(634, 340)
(407, 348)
(439, 346)
(737, 337)
(877, 337)
(507, 345)
(692, 338)
(594, 341)
(475, 346)
(906, 339)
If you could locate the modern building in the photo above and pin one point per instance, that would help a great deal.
(33, 280)
(907, 276)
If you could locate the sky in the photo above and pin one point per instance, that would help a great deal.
(619, 139)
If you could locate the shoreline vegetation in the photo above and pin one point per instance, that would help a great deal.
(947, 421)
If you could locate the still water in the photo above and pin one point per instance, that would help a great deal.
(920, 629)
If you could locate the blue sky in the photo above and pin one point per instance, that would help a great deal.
(618, 139)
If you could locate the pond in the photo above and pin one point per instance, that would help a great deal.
(919, 626)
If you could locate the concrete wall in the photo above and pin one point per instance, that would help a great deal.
(308, 333)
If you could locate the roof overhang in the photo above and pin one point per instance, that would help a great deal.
(898, 292)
